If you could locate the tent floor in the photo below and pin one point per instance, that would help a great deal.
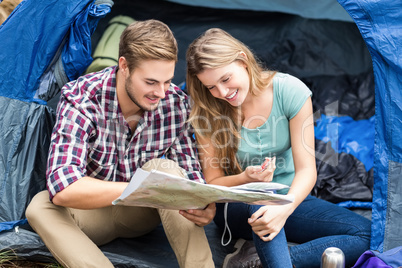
(149, 251)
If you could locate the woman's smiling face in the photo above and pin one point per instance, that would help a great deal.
(229, 83)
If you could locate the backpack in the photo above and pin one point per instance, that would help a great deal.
(373, 259)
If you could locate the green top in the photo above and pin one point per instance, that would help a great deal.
(273, 137)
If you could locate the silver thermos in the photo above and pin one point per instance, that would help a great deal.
(333, 258)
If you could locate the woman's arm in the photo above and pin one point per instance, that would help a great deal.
(213, 168)
(269, 220)
(302, 140)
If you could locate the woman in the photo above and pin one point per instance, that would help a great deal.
(241, 115)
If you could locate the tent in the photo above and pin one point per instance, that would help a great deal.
(347, 52)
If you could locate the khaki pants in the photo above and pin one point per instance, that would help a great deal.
(73, 235)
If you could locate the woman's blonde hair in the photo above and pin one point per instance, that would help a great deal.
(214, 118)
(147, 40)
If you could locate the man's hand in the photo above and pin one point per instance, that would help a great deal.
(200, 217)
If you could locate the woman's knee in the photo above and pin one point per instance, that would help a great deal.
(364, 228)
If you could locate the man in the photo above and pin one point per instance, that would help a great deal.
(110, 123)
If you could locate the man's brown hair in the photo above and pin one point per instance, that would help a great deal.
(147, 40)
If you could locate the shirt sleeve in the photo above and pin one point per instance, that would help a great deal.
(294, 94)
(68, 149)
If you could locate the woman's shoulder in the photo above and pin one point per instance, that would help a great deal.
(286, 80)
(287, 83)
(290, 93)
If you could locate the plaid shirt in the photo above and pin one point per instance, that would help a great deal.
(92, 138)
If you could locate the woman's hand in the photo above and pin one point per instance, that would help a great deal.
(200, 217)
(268, 221)
(260, 174)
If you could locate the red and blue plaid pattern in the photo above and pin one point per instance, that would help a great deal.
(92, 138)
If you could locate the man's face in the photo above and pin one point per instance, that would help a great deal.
(146, 85)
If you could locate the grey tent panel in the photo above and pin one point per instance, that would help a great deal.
(22, 170)
(394, 206)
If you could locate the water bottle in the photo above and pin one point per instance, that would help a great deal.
(333, 258)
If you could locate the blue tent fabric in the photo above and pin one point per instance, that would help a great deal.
(76, 58)
(380, 24)
(5, 226)
(355, 204)
(40, 32)
(346, 135)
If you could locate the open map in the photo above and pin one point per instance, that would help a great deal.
(161, 190)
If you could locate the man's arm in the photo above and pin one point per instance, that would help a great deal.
(67, 182)
(89, 193)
